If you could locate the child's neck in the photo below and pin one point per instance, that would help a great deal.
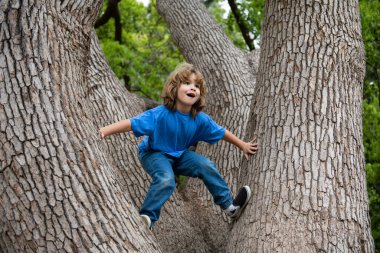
(183, 108)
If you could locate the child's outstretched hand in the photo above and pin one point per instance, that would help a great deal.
(118, 127)
(101, 133)
(250, 148)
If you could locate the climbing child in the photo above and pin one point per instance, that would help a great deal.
(169, 130)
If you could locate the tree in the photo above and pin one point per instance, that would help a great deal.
(61, 189)
(240, 21)
(64, 190)
(112, 11)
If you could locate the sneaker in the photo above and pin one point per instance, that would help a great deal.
(239, 202)
(147, 221)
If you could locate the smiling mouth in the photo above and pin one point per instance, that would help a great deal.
(191, 95)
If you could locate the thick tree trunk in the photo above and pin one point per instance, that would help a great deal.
(60, 188)
(309, 183)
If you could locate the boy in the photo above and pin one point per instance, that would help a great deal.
(169, 130)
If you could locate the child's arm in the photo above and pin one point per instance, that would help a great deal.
(118, 127)
(248, 148)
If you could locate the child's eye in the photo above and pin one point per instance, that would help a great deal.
(197, 85)
(187, 83)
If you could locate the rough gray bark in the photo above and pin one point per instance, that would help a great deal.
(310, 184)
(60, 190)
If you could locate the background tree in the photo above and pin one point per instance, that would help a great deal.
(241, 22)
(61, 189)
(112, 11)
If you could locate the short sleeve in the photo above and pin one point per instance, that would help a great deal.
(210, 131)
(143, 124)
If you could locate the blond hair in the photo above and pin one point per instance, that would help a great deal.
(180, 76)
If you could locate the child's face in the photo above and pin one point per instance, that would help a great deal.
(188, 94)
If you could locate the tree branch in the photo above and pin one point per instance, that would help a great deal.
(192, 27)
(112, 11)
(242, 24)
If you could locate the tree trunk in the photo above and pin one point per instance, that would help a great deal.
(309, 181)
(61, 188)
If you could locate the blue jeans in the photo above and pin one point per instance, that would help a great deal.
(162, 168)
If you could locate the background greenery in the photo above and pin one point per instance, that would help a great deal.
(146, 55)
(370, 16)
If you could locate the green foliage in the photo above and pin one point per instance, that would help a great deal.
(371, 139)
(373, 177)
(181, 182)
(146, 55)
(252, 12)
(370, 19)
(371, 128)
(227, 23)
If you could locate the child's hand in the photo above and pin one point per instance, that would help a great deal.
(250, 148)
(101, 133)
(118, 127)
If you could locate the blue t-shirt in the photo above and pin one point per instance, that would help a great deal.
(173, 132)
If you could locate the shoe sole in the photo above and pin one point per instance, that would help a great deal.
(146, 220)
(245, 203)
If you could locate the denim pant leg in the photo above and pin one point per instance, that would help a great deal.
(194, 165)
(159, 167)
